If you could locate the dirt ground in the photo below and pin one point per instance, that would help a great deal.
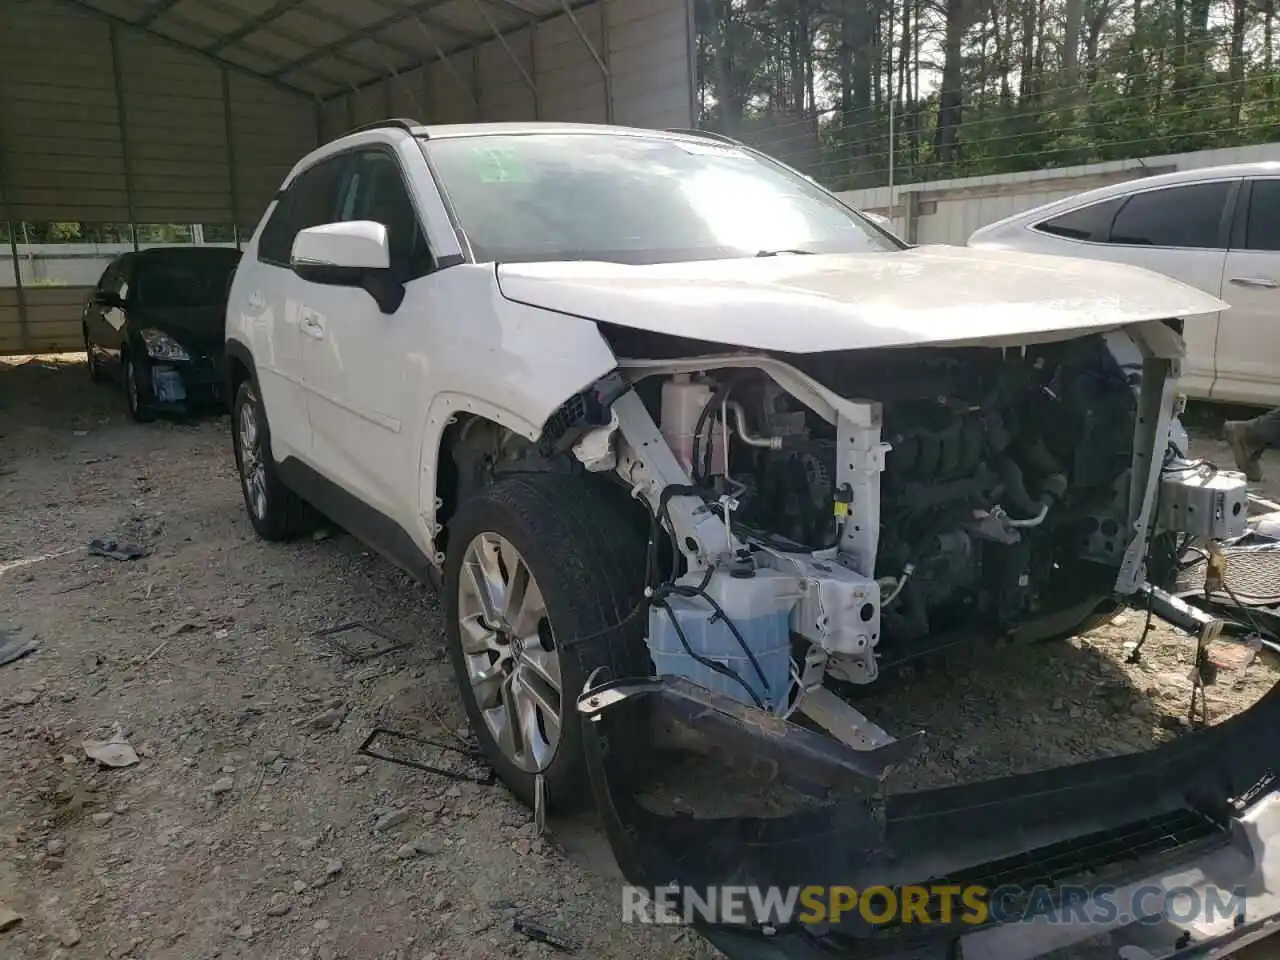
(249, 828)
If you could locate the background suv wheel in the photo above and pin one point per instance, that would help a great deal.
(276, 512)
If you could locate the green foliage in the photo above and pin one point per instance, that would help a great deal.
(990, 86)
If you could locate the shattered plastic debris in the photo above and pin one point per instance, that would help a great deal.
(15, 643)
(115, 752)
(540, 933)
(115, 549)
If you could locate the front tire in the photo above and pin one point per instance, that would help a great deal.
(275, 511)
(95, 372)
(533, 562)
(133, 392)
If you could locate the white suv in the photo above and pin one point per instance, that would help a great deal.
(654, 403)
(1216, 228)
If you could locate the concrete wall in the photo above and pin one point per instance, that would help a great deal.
(949, 211)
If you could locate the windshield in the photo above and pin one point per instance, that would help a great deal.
(184, 278)
(636, 199)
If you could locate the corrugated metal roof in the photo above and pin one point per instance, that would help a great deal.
(324, 48)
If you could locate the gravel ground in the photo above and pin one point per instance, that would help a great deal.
(251, 827)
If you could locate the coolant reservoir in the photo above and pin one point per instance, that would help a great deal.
(683, 400)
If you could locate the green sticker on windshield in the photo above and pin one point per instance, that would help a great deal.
(499, 165)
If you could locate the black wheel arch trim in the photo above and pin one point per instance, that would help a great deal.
(235, 351)
(366, 523)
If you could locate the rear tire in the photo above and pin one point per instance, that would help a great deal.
(276, 512)
(587, 563)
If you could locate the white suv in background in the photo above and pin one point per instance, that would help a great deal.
(1216, 228)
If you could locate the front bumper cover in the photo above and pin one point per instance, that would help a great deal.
(177, 385)
(1199, 811)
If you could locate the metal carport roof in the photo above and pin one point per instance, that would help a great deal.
(192, 111)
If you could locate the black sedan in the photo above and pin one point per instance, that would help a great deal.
(155, 324)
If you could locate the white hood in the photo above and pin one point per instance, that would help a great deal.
(808, 304)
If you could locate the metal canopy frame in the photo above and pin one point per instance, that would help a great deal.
(356, 53)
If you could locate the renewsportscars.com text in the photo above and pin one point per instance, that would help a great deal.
(937, 904)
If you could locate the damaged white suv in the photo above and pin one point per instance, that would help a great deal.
(694, 448)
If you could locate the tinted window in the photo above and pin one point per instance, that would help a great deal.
(636, 199)
(310, 201)
(183, 278)
(1189, 216)
(1087, 223)
(1262, 231)
(374, 190)
(109, 282)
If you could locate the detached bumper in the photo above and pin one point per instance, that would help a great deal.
(1200, 816)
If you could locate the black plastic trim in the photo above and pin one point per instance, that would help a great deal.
(1211, 776)
(235, 350)
(413, 127)
(369, 525)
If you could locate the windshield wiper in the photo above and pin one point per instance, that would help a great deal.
(775, 253)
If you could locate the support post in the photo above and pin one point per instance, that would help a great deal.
(6, 215)
(532, 84)
(607, 61)
(123, 122)
(691, 56)
(595, 54)
(453, 71)
(229, 132)
(533, 68)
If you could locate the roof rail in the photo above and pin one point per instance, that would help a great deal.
(402, 123)
(706, 135)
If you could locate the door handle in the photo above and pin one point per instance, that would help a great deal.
(1263, 282)
(257, 301)
(312, 327)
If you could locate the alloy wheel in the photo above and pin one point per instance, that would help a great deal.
(253, 473)
(509, 651)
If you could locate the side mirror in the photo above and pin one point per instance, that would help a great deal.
(355, 253)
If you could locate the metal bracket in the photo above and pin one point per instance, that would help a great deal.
(1155, 413)
(843, 722)
(860, 456)
(648, 466)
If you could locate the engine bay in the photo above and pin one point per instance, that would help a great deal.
(1005, 479)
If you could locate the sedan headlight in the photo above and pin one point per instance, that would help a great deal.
(161, 346)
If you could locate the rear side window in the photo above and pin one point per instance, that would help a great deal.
(312, 199)
(1262, 231)
(1187, 216)
(109, 282)
(1085, 223)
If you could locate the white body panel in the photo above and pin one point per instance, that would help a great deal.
(378, 386)
(806, 304)
(363, 396)
(1199, 268)
(1248, 347)
(1232, 355)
